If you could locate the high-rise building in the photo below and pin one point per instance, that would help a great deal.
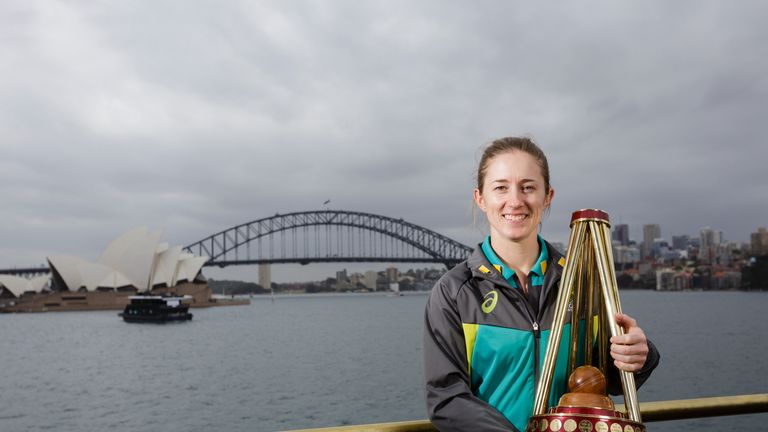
(680, 242)
(650, 233)
(708, 245)
(759, 242)
(709, 237)
(621, 234)
(341, 276)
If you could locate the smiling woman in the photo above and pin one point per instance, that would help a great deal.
(517, 176)
(488, 319)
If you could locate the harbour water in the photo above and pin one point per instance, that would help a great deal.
(323, 360)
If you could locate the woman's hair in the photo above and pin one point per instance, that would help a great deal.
(508, 144)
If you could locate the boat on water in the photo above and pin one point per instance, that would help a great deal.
(157, 309)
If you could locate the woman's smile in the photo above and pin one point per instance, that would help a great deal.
(514, 217)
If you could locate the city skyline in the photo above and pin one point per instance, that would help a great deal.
(320, 271)
(194, 120)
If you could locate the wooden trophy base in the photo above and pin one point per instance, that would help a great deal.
(581, 419)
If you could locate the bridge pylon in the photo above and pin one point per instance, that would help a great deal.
(265, 276)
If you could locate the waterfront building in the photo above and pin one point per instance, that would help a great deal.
(342, 281)
(392, 274)
(650, 233)
(682, 281)
(726, 280)
(665, 280)
(620, 234)
(370, 280)
(759, 242)
(265, 276)
(341, 276)
(136, 262)
(670, 280)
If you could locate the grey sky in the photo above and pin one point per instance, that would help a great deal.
(192, 117)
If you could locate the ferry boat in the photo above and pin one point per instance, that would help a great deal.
(157, 309)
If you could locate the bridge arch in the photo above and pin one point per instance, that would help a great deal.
(415, 243)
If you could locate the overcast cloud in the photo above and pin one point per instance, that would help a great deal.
(192, 117)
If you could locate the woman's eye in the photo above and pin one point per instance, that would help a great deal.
(500, 188)
(528, 188)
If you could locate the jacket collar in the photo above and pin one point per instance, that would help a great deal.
(480, 267)
(539, 268)
(554, 271)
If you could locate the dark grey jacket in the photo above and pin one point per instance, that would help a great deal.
(481, 368)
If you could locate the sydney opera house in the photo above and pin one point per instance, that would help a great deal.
(136, 262)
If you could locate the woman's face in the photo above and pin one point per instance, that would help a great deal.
(514, 196)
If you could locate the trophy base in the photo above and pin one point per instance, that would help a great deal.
(581, 419)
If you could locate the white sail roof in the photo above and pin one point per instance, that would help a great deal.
(114, 253)
(20, 285)
(92, 274)
(165, 266)
(136, 258)
(162, 247)
(189, 268)
(115, 280)
(38, 284)
(67, 267)
(16, 285)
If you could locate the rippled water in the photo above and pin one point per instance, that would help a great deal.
(322, 360)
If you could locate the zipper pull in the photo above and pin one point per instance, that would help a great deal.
(536, 330)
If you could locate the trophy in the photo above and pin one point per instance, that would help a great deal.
(589, 285)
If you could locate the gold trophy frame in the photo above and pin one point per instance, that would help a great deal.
(589, 282)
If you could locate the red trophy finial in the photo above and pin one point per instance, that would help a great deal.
(589, 214)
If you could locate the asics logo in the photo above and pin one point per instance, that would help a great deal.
(490, 302)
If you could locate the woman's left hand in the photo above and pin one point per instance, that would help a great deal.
(629, 350)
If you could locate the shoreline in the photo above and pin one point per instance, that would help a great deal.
(68, 301)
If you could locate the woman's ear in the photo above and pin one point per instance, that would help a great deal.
(479, 201)
(549, 197)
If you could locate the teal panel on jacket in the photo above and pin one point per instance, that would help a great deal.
(503, 370)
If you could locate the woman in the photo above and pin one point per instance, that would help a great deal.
(488, 318)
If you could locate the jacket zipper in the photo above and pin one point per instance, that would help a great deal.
(536, 337)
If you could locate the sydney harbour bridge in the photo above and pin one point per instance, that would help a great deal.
(321, 236)
(328, 236)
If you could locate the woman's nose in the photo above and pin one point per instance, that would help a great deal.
(515, 198)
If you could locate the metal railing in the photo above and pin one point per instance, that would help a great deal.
(650, 412)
